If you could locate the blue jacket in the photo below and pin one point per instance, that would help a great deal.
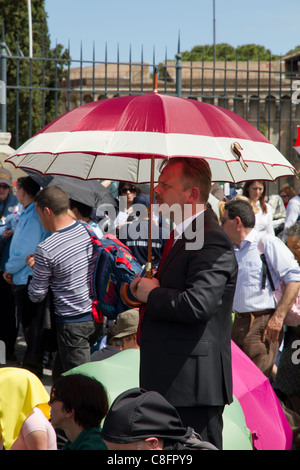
(28, 234)
(9, 207)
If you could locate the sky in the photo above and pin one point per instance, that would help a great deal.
(156, 25)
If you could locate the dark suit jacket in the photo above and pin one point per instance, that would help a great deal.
(186, 330)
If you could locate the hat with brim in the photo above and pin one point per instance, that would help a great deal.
(127, 323)
(5, 177)
(137, 414)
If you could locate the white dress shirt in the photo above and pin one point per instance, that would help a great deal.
(249, 296)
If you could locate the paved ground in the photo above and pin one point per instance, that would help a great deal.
(20, 349)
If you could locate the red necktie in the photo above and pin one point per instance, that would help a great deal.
(167, 248)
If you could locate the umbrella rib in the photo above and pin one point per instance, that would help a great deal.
(138, 168)
(91, 167)
(45, 172)
(230, 171)
(268, 171)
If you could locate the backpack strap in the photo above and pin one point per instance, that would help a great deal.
(266, 271)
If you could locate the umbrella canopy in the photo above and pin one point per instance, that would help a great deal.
(89, 192)
(263, 412)
(121, 372)
(116, 138)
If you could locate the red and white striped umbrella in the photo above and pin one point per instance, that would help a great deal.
(116, 138)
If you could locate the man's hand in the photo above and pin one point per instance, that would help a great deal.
(8, 277)
(142, 286)
(275, 323)
(7, 234)
(30, 260)
(272, 329)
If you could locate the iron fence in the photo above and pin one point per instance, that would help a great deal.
(36, 90)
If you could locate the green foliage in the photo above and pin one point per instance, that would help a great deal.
(225, 51)
(297, 49)
(34, 103)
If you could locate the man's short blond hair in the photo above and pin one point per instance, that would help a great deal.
(195, 172)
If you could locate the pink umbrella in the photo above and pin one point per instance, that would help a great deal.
(117, 138)
(263, 413)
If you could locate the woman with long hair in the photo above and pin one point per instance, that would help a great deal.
(255, 191)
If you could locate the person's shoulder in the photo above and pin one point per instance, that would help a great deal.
(294, 201)
(89, 439)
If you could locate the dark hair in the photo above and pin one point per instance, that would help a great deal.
(123, 184)
(30, 186)
(262, 200)
(243, 210)
(195, 172)
(83, 209)
(54, 198)
(85, 395)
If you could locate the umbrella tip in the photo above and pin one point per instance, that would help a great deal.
(155, 90)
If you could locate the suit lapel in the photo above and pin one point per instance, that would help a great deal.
(180, 244)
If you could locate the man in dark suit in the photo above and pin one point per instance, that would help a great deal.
(185, 331)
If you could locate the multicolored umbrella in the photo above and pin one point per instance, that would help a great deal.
(116, 139)
(121, 372)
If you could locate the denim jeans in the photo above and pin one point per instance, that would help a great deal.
(74, 341)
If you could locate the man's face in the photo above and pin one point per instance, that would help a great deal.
(169, 189)
(42, 217)
(229, 227)
(293, 243)
(4, 191)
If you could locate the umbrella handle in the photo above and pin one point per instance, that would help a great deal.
(127, 301)
(124, 288)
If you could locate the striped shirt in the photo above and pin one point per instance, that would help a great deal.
(63, 262)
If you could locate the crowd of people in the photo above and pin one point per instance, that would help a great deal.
(214, 279)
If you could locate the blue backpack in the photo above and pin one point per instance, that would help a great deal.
(113, 265)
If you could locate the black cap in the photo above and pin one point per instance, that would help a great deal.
(137, 414)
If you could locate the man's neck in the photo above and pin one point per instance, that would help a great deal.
(73, 431)
(61, 222)
(242, 235)
(27, 201)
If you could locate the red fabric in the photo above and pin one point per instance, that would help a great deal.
(167, 248)
(154, 112)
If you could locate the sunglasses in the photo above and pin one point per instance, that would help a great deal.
(4, 186)
(131, 189)
(53, 398)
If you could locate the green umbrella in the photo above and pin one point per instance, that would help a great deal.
(121, 372)
(117, 373)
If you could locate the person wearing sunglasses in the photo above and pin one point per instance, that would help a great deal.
(78, 405)
(128, 191)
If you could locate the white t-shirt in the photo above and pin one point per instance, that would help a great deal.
(36, 421)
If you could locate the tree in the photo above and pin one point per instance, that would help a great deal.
(225, 51)
(32, 101)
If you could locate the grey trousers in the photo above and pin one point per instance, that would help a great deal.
(74, 341)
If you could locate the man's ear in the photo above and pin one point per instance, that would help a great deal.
(194, 195)
(151, 443)
(239, 223)
(47, 211)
